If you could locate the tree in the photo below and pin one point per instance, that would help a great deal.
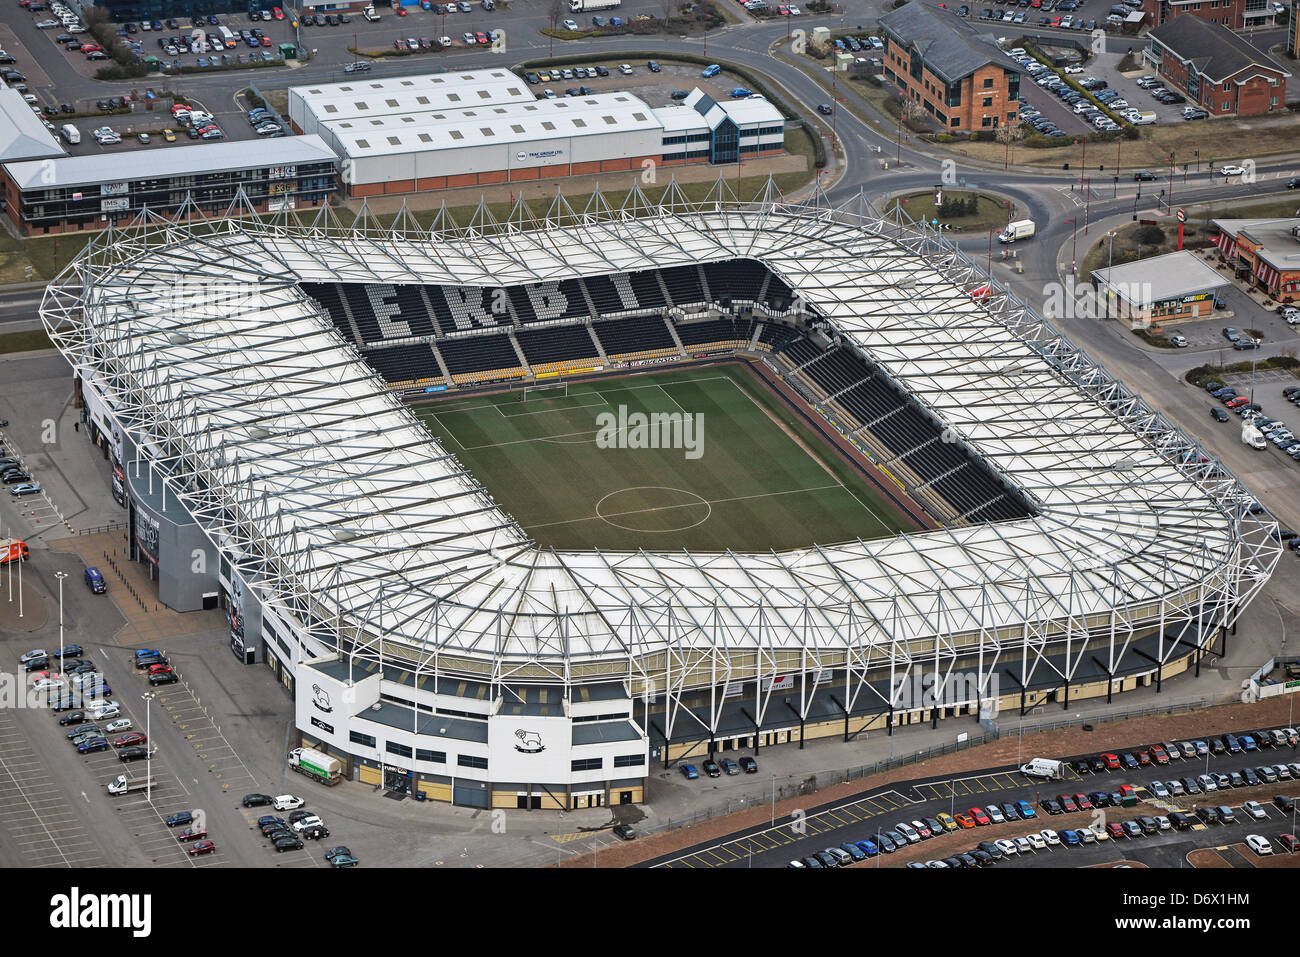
(1150, 236)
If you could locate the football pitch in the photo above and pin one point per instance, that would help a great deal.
(712, 462)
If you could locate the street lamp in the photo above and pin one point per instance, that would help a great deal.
(60, 576)
(774, 799)
(148, 697)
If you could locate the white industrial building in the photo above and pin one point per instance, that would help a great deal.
(486, 127)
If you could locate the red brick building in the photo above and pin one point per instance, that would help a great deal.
(959, 77)
(1229, 13)
(1216, 69)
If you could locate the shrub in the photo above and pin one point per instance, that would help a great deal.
(1150, 236)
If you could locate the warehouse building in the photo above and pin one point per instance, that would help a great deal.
(1175, 287)
(310, 106)
(72, 193)
(480, 128)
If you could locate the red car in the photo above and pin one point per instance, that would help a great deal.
(192, 834)
(1067, 804)
(1239, 400)
(1144, 759)
(203, 847)
(277, 13)
(135, 737)
(161, 669)
(1116, 830)
(979, 816)
(1289, 842)
(401, 11)
(482, 37)
(1111, 760)
(1083, 802)
(265, 40)
(1158, 754)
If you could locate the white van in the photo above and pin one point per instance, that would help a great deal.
(70, 134)
(287, 802)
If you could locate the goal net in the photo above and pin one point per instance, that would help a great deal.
(552, 390)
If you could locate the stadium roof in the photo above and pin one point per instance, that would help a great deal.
(193, 159)
(333, 498)
(22, 134)
(518, 122)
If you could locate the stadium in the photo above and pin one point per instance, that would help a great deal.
(914, 499)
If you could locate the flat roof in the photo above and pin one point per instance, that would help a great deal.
(1275, 244)
(23, 135)
(375, 97)
(1158, 278)
(502, 123)
(178, 161)
(604, 732)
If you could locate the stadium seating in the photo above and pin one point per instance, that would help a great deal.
(683, 282)
(557, 344)
(401, 365)
(775, 336)
(635, 334)
(545, 301)
(900, 426)
(733, 333)
(477, 354)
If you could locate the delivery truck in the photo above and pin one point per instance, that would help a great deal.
(1044, 768)
(1020, 229)
(587, 6)
(124, 785)
(322, 767)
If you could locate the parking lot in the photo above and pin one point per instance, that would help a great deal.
(866, 817)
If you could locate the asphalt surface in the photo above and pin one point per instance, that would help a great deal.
(862, 817)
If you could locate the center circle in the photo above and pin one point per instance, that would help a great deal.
(653, 508)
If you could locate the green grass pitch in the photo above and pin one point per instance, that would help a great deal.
(761, 480)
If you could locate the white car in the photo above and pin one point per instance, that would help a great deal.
(1007, 847)
(1036, 842)
(444, 41)
(570, 25)
(995, 814)
(121, 724)
(469, 37)
(1099, 833)
(48, 684)
(1231, 170)
(1072, 69)
(1164, 823)
(1259, 845)
(1050, 836)
(908, 832)
(794, 11)
(47, 24)
(97, 710)
(33, 655)
(625, 69)
(287, 802)
(311, 820)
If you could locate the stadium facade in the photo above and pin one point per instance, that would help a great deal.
(1082, 545)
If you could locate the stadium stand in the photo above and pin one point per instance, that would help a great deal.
(683, 284)
(723, 333)
(545, 301)
(637, 334)
(405, 365)
(775, 337)
(556, 347)
(911, 436)
(480, 358)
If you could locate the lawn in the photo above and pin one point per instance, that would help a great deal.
(993, 213)
(754, 478)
